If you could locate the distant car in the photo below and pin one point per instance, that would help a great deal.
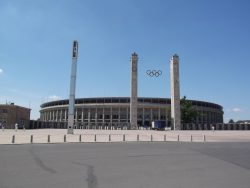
(158, 125)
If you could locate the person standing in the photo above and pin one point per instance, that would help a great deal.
(16, 127)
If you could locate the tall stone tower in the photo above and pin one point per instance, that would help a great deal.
(71, 109)
(133, 97)
(175, 93)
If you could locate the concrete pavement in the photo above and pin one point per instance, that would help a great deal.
(123, 165)
(80, 135)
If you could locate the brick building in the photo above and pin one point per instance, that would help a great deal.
(10, 114)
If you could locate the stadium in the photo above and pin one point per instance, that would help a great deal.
(133, 111)
(115, 111)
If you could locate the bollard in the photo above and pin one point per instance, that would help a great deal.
(109, 138)
(80, 138)
(191, 138)
(124, 138)
(31, 138)
(13, 139)
(138, 137)
(64, 138)
(204, 138)
(95, 137)
(48, 138)
(165, 138)
(178, 138)
(151, 138)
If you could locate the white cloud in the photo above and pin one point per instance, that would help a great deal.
(1, 71)
(53, 98)
(237, 110)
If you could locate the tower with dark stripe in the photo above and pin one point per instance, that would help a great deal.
(71, 110)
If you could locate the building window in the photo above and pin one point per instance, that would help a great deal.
(4, 111)
(115, 116)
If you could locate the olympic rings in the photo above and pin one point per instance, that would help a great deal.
(155, 73)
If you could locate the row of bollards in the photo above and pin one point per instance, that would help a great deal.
(109, 138)
(191, 138)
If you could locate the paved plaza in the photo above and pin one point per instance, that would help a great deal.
(60, 136)
(123, 165)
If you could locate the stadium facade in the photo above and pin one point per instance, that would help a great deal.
(115, 111)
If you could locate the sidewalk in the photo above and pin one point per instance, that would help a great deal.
(80, 135)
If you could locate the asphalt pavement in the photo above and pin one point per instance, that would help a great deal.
(124, 165)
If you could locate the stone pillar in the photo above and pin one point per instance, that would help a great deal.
(175, 93)
(76, 114)
(61, 115)
(128, 115)
(89, 117)
(111, 116)
(57, 115)
(65, 115)
(82, 115)
(151, 114)
(96, 116)
(119, 115)
(143, 116)
(103, 115)
(133, 98)
(167, 116)
(50, 115)
(53, 115)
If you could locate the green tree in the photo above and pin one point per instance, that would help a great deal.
(231, 121)
(188, 112)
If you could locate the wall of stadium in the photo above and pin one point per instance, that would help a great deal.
(115, 111)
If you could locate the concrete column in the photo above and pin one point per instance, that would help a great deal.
(175, 93)
(57, 115)
(76, 114)
(119, 115)
(65, 113)
(127, 115)
(50, 115)
(96, 116)
(133, 97)
(167, 113)
(103, 115)
(111, 116)
(53, 115)
(151, 114)
(82, 120)
(60, 116)
(143, 116)
(89, 117)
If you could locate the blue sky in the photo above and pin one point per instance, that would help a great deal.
(211, 37)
